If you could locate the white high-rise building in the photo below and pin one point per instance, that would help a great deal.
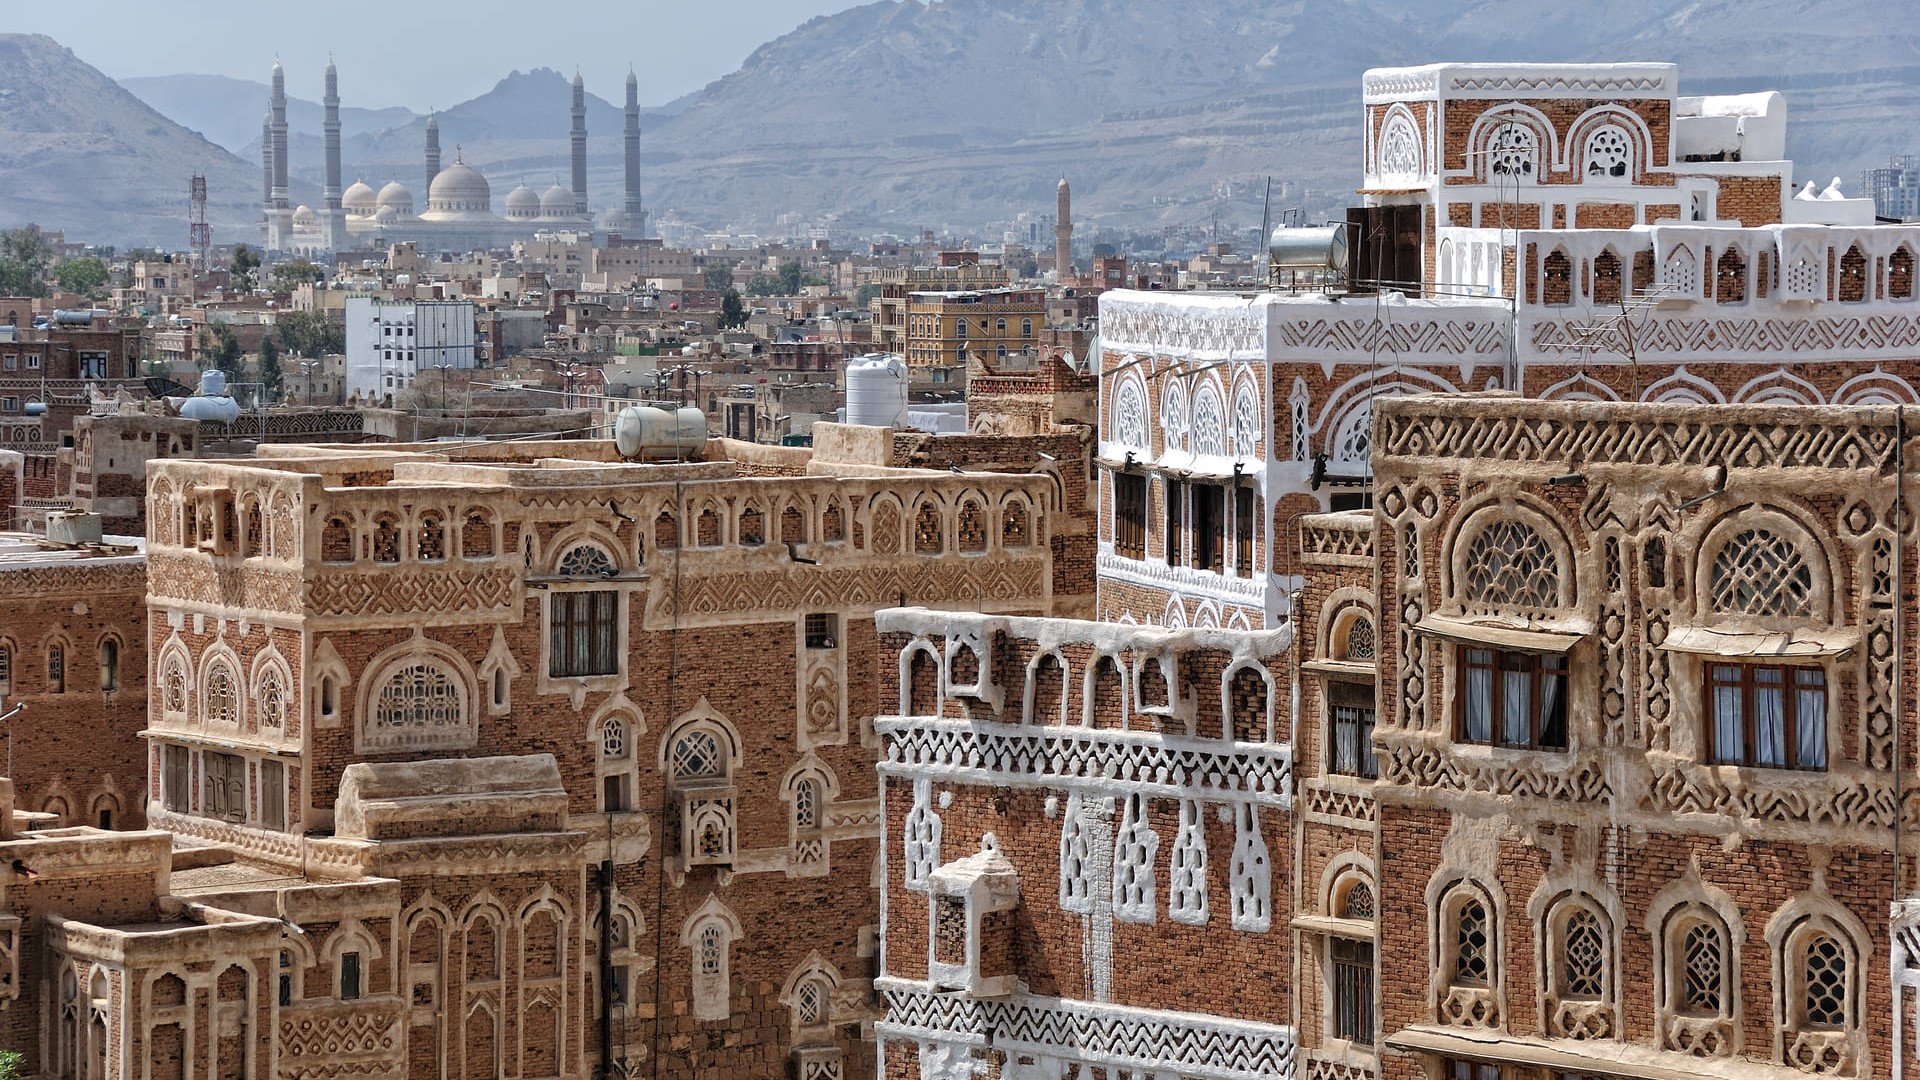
(389, 342)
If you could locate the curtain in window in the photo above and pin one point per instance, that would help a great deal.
(1769, 718)
(1810, 719)
(1553, 711)
(1479, 688)
(1726, 717)
(1346, 739)
(1516, 692)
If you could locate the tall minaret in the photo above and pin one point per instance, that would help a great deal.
(1063, 231)
(333, 220)
(579, 146)
(635, 210)
(433, 149)
(266, 165)
(278, 231)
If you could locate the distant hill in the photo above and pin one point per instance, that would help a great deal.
(78, 152)
(903, 114)
(228, 110)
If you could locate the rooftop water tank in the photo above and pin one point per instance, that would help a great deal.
(651, 433)
(213, 402)
(1312, 247)
(877, 392)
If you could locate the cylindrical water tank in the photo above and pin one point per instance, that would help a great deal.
(213, 382)
(224, 409)
(647, 433)
(1312, 247)
(877, 392)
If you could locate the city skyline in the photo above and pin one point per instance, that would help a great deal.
(672, 51)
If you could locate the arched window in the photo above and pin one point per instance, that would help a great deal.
(1356, 642)
(431, 544)
(1026, 328)
(1470, 958)
(1000, 327)
(1609, 153)
(1556, 279)
(1246, 422)
(1130, 415)
(418, 703)
(1730, 277)
(1352, 964)
(1820, 1010)
(1681, 272)
(810, 999)
(1900, 274)
(1510, 565)
(1606, 278)
(583, 623)
(220, 696)
(56, 668)
(709, 934)
(1209, 422)
(1852, 286)
(616, 765)
(1512, 152)
(806, 804)
(270, 698)
(476, 536)
(109, 665)
(1399, 154)
(697, 754)
(336, 541)
(1758, 572)
(386, 539)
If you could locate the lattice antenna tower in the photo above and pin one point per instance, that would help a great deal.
(199, 234)
(1615, 333)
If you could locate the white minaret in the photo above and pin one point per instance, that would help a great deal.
(1063, 231)
(280, 218)
(579, 146)
(333, 223)
(433, 150)
(634, 209)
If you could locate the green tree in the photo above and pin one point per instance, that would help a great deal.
(11, 1062)
(226, 352)
(84, 276)
(719, 276)
(309, 334)
(291, 275)
(790, 278)
(245, 264)
(762, 284)
(864, 294)
(24, 255)
(733, 313)
(269, 369)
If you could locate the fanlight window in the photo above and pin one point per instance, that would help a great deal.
(273, 699)
(1399, 149)
(419, 704)
(1359, 639)
(1209, 425)
(1761, 573)
(223, 701)
(1824, 981)
(1703, 971)
(1130, 415)
(1510, 565)
(810, 1003)
(697, 754)
(1585, 948)
(1470, 940)
(587, 561)
(1511, 152)
(1609, 152)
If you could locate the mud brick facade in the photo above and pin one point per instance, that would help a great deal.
(1666, 839)
(1087, 844)
(73, 634)
(1651, 252)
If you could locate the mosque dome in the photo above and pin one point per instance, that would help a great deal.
(523, 202)
(386, 215)
(396, 197)
(556, 202)
(303, 214)
(459, 190)
(359, 200)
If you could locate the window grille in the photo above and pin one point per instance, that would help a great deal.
(1703, 971)
(1353, 990)
(418, 697)
(56, 669)
(1511, 152)
(272, 699)
(1824, 979)
(1470, 959)
(1609, 152)
(1358, 903)
(697, 754)
(223, 703)
(713, 949)
(806, 805)
(1510, 565)
(613, 738)
(1359, 639)
(810, 1003)
(1585, 956)
(1760, 573)
(1353, 721)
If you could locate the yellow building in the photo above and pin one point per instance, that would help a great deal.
(956, 270)
(944, 328)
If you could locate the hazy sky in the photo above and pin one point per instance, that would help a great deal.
(423, 55)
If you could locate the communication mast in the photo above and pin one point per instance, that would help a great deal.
(199, 235)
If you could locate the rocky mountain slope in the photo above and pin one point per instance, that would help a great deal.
(903, 114)
(78, 152)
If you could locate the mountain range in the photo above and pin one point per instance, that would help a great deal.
(902, 114)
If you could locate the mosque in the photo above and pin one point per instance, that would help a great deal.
(459, 214)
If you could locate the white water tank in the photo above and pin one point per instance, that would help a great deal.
(212, 402)
(649, 433)
(877, 392)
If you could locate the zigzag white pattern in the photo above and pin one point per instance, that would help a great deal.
(1109, 762)
(1109, 1036)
